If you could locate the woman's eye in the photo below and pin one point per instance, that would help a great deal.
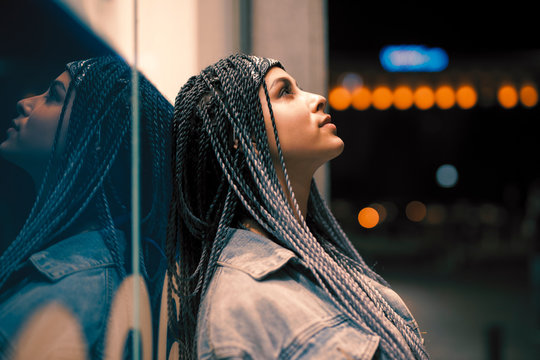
(285, 90)
(52, 95)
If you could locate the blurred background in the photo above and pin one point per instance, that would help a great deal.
(439, 183)
(438, 110)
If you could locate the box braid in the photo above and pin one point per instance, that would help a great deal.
(90, 175)
(222, 171)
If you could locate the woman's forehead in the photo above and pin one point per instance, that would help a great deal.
(276, 73)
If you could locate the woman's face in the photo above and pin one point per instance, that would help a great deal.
(30, 139)
(307, 136)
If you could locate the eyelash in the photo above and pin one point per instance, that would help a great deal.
(52, 95)
(285, 90)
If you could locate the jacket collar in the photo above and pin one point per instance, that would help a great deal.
(80, 252)
(254, 254)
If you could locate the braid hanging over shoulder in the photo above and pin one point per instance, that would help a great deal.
(222, 171)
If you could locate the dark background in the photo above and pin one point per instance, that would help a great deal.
(473, 279)
(392, 155)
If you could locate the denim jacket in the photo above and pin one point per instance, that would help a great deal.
(77, 273)
(263, 304)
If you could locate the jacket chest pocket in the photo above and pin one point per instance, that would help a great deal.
(339, 341)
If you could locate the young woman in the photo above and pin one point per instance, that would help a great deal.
(261, 267)
(74, 248)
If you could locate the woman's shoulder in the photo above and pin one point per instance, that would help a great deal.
(256, 272)
(262, 300)
(76, 273)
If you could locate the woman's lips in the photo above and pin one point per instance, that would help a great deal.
(330, 125)
(327, 120)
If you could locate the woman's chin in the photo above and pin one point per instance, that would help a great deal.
(332, 152)
(5, 150)
(338, 147)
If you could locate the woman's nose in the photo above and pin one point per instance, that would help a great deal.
(320, 103)
(24, 106)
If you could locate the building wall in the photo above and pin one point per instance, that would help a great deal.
(166, 37)
(176, 39)
(295, 32)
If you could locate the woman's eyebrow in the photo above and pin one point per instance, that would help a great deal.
(284, 80)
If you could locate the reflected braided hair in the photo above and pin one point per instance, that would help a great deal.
(90, 177)
(222, 171)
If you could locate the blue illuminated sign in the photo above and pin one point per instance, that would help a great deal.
(405, 58)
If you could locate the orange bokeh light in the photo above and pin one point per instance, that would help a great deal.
(466, 96)
(339, 98)
(507, 96)
(361, 98)
(415, 211)
(403, 97)
(381, 210)
(368, 217)
(435, 214)
(445, 97)
(528, 95)
(424, 98)
(382, 98)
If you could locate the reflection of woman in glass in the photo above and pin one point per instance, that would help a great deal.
(74, 140)
(265, 271)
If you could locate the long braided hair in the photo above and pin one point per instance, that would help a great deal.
(91, 174)
(222, 171)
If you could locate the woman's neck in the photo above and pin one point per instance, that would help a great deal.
(249, 224)
(301, 191)
(300, 185)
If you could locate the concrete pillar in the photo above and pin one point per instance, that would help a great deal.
(218, 30)
(294, 32)
(166, 38)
